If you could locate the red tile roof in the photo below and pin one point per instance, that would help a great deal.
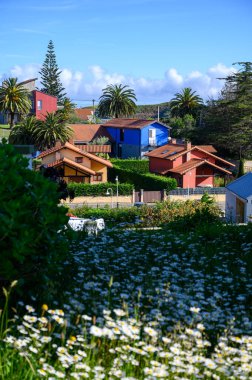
(130, 123)
(83, 113)
(88, 132)
(173, 151)
(75, 149)
(72, 164)
(194, 163)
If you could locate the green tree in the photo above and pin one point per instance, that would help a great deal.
(50, 75)
(228, 120)
(24, 132)
(33, 243)
(186, 102)
(51, 130)
(117, 101)
(67, 110)
(183, 127)
(14, 99)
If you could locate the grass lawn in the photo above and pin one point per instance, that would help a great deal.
(4, 130)
(143, 305)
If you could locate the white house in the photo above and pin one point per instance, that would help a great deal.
(239, 200)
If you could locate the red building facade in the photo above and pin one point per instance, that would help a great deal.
(191, 166)
(42, 103)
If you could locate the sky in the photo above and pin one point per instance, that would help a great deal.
(156, 47)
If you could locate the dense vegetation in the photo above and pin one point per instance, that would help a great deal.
(86, 189)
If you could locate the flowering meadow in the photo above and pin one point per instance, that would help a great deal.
(145, 304)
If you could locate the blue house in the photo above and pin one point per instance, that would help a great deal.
(135, 137)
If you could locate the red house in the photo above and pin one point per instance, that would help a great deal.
(191, 166)
(40, 103)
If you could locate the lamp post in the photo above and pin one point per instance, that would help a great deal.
(110, 192)
(116, 179)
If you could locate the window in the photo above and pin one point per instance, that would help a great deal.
(79, 160)
(121, 134)
(152, 137)
(39, 105)
(97, 177)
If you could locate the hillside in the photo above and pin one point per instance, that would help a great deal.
(151, 111)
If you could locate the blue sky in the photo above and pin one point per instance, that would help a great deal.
(157, 47)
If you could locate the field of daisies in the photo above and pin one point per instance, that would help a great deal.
(145, 304)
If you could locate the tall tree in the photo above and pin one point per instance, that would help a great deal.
(228, 120)
(50, 130)
(117, 101)
(14, 99)
(50, 75)
(186, 102)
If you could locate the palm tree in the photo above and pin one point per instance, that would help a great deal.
(14, 98)
(186, 102)
(50, 130)
(24, 132)
(117, 101)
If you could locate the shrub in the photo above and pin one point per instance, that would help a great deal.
(32, 249)
(146, 181)
(135, 165)
(86, 189)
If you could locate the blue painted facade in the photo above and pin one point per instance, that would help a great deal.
(135, 142)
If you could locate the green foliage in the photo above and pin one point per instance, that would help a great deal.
(227, 121)
(136, 165)
(24, 132)
(50, 75)
(117, 101)
(183, 127)
(241, 170)
(14, 99)
(32, 247)
(86, 189)
(186, 102)
(150, 111)
(146, 181)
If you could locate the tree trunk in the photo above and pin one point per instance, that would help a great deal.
(12, 115)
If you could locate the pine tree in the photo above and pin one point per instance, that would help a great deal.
(50, 75)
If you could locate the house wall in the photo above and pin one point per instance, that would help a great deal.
(189, 179)
(49, 104)
(198, 154)
(99, 168)
(67, 153)
(162, 134)
(130, 144)
(157, 165)
(231, 207)
(204, 176)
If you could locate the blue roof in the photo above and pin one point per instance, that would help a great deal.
(242, 186)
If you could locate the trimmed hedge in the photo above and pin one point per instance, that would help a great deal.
(146, 181)
(86, 189)
(135, 165)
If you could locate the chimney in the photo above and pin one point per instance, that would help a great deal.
(188, 147)
(173, 140)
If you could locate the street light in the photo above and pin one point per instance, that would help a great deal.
(110, 192)
(116, 179)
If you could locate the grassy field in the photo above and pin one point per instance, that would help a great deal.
(4, 131)
(144, 304)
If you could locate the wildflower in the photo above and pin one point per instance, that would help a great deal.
(44, 307)
(30, 309)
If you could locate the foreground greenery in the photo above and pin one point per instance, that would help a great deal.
(148, 305)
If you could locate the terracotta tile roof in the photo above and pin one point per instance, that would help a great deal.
(194, 163)
(75, 149)
(83, 113)
(173, 151)
(72, 164)
(88, 132)
(165, 151)
(130, 123)
(96, 148)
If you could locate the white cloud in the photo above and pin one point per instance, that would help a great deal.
(88, 85)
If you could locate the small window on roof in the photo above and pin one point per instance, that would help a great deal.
(165, 151)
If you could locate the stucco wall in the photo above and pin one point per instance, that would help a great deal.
(49, 104)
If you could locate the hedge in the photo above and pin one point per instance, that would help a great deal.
(146, 181)
(86, 189)
(135, 165)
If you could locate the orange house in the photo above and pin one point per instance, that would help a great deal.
(191, 166)
(76, 165)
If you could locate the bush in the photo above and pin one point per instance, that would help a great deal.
(146, 181)
(135, 165)
(86, 189)
(32, 249)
